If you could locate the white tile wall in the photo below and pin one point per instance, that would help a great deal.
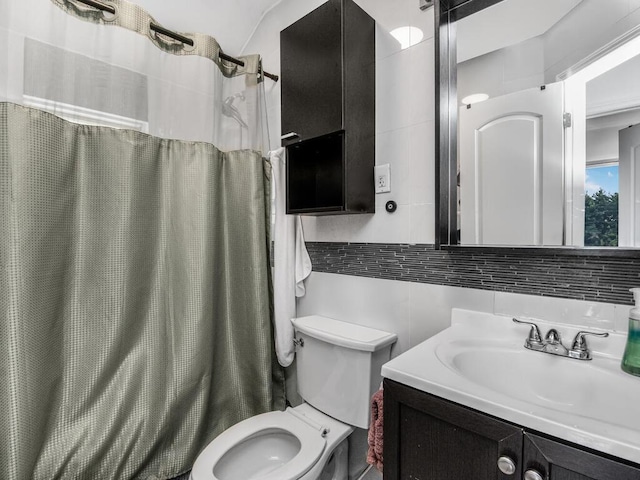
(431, 307)
(413, 311)
(382, 304)
(422, 159)
(392, 147)
(622, 318)
(405, 114)
(557, 310)
(417, 311)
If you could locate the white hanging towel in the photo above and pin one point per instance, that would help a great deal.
(292, 264)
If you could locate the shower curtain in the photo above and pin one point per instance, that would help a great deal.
(134, 285)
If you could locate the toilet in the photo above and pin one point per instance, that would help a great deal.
(338, 370)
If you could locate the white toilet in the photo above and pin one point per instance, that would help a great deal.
(338, 370)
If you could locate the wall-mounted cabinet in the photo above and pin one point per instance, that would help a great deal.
(328, 110)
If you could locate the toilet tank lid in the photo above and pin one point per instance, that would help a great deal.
(344, 334)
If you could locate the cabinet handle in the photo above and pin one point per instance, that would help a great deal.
(532, 475)
(289, 135)
(506, 465)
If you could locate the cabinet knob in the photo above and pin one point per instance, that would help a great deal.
(506, 465)
(532, 475)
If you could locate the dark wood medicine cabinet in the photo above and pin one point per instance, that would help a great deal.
(328, 110)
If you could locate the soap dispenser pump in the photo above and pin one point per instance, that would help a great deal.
(631, 357)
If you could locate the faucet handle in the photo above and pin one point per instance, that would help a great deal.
(580, 349)
(534, 340)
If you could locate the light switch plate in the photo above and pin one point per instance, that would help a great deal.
(382, 176)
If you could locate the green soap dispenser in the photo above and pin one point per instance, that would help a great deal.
(631, 357)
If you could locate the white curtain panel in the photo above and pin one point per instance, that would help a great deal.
(108, 75)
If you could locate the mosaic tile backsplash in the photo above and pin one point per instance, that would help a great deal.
(580, 276)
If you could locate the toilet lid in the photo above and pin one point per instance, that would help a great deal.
(312, 445)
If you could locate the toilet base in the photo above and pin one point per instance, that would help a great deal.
(337, 468)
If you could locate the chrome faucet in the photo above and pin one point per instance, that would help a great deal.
(553, 345)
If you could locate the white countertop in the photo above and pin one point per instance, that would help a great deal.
(480, 362)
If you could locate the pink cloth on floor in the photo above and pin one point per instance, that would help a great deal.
(374, 455)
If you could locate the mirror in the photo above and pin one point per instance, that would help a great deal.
(538, 107)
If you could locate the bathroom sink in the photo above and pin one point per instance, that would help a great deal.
(567, 385)
(480, 361)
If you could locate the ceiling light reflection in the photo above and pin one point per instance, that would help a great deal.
(407, 36)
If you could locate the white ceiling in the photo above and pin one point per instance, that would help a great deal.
(230, 22)
(508, 23)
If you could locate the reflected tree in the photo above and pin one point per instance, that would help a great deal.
(601, 219)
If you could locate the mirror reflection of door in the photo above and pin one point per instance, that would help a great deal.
(511, 170)
(592, 46)
(610, 92)
(629, 165)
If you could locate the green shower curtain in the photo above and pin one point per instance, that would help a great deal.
(134, 295)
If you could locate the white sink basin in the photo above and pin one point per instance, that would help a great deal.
(480, 362)
(582, 388)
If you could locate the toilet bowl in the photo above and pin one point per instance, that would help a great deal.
(289, 445)
(338, 370)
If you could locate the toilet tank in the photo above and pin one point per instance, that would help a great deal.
(338, 366)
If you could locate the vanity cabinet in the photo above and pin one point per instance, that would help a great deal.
(429, 438)
(566, 462)
(327, 65)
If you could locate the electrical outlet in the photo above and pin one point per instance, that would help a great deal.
(382, 178)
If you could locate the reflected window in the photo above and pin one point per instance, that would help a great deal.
(601, 206)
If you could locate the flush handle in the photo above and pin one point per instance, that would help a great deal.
(532, 475)
(506, 465)
(289, 136)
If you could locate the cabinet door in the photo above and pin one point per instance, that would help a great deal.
(311, 73)
(557, 461)
(428, 438)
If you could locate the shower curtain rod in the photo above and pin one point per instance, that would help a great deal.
(176, 36)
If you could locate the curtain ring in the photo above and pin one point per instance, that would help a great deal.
(108, 16)
(167, 42)
(189, 48)
(83, 8)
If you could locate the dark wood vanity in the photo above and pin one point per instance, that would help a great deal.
(430, 438)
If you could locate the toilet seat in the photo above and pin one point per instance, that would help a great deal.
(312, 444)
